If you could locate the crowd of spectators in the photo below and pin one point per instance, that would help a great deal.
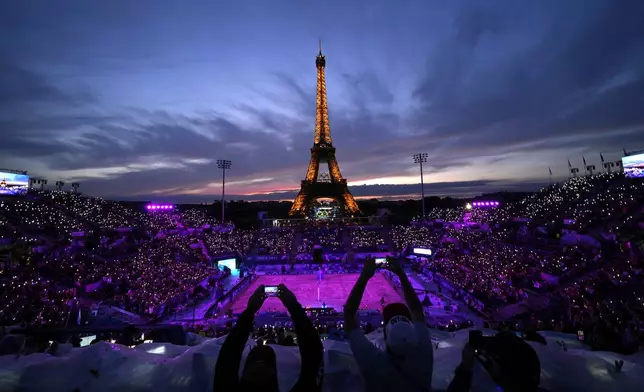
(229, 241)
(28, 298)
(366, 239)
(274, 241)
(329, 238)
(444, 214)
(605, 200)
(92, 212)
(163, 271)
(196, 217)
(64, 253)
(160, 260)
(607, 306)
(422, 237)
(31, 217)
(591, 287)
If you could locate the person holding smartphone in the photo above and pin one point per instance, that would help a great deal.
(260, 369)
(407, 362)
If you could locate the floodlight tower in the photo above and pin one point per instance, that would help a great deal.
(420, 159)
(223, 164)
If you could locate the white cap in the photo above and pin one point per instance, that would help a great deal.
(401, 335)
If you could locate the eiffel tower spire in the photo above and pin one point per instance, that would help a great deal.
(323, 178)
(322, 127)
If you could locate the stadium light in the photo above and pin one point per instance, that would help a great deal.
(159, 207)
(223, 164)
(420, 159)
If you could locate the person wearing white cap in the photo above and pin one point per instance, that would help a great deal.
(407, 363)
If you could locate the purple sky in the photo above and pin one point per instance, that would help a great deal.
(138, 99)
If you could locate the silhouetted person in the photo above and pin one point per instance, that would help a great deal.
(462, 381)
(260, 370)
(510, 361)
(407, 362)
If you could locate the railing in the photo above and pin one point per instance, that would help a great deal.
(124, 315)
(228, 297)
(448, 285)
(126, 335)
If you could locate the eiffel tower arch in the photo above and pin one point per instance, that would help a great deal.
(323, 178)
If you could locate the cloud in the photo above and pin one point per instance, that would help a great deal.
(21, 86)
(505, 93)
(555, 88)
(138, 151)
(459, 189)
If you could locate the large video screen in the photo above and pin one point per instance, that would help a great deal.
(325, 212)
(422, 251)
(230, 263)
(13, 184)
(634, 166)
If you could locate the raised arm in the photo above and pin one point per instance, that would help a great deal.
(229, 359)
(308, 339)
(413, 302)
(367, 355)
(355, 297)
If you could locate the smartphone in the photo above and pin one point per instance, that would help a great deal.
(271, 291)
(381, 261)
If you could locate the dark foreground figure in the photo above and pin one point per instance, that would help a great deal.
(260, 370)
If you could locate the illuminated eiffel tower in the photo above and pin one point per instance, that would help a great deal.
(323, 178)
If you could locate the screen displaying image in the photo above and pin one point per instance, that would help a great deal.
(270, 291)
(422, 251)
(633, 166)
(230, 263)
(325, 212)
(381, 260)
(13, 184)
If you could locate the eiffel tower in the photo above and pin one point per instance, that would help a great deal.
(323, 178)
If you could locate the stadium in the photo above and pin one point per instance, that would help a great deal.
(505, 291)
(78, 270)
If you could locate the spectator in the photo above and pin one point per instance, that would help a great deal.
(260, 370)
(510, 361)
(462, 380)
(408, 360)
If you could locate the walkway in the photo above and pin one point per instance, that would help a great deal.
(201, 308)
(419, 283)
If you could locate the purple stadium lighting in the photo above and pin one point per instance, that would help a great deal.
(486, 204)
(159, 207)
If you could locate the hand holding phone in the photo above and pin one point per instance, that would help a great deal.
(271, 291)
(286, 296)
